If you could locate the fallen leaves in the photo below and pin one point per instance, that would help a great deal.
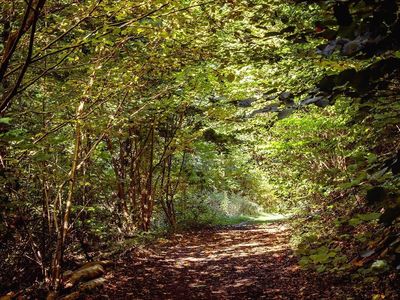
(242, 263)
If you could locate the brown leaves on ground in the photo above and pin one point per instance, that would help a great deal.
(246, 262)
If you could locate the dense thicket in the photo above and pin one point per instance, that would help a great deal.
(119, 117)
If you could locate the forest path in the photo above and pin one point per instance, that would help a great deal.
(237, 262)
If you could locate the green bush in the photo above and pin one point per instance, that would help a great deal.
(214, 208)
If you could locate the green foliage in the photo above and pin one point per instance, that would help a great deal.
(214, 208)
(359, 218)
(170, 114)
(323, 259)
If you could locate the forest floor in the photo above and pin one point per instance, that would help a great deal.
(232, 262)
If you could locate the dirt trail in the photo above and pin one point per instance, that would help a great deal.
(242, 262)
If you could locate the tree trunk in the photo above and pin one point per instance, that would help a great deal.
(63, 230)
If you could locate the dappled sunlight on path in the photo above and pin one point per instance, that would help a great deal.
(242, 262)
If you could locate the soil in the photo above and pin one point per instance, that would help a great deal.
(238, 262)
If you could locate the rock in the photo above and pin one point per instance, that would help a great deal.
(311, 100)
(269, 97)
(329, 48)
(324, 102)
(245, 102)
(92, 284)
(285, 113)
(270, 94)
(352, 47)
(103, 263)
(287, 98)
(266, 109)
(86, 272)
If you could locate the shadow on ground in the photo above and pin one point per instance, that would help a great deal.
(247, 262)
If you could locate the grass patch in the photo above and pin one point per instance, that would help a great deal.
(269, 218)
(262, 218)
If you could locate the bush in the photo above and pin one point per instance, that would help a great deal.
(214, 208)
